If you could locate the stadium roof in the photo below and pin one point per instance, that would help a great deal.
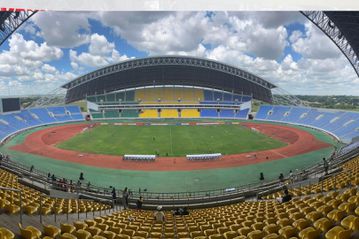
(10, 21)
(342, 27)
(169, 70)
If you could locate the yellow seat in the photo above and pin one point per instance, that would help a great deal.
(313, 216)
(67, 236)
(347, 207)
(90, 222)
(257, 234)
(271, 228)
(141, 234)
(336, 215)
(82, 234)
(116, 230)
(287, 232)
(338, 232)
(209, 232)
(301, 223)
(128, 232)
(323, 224)
(93, 230)
(98, 237)
(80, 225)
(272, 236)
(155, 235)
(6, 233)
(216, 236)
(30, 209)
(230, 234)
(51, 231)
(234, 227)
(258, 226)
(196, 234)
(123, 236)
(29, 232)
(309, 233)
(12, 208)
(222, 230)
(108, 234)
(45, 210)
(351, 222)
(284, 222)
(244, 231)
(67, 228)
(99, 219)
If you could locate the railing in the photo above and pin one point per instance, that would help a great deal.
(84, 188)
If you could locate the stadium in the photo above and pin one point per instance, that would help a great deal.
(179, 132)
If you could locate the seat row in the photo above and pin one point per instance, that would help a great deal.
(31, 200)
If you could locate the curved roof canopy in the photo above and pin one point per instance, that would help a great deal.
(169, 70)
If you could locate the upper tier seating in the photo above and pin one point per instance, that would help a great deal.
(217, 97)
(12, 122)
(165, 95)
(343, 124)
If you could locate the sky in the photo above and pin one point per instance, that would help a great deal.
(284, 48)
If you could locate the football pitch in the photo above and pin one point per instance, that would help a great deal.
(170, 140)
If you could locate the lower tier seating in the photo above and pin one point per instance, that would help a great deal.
(10, 200)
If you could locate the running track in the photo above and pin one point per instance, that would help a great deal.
(43, 143)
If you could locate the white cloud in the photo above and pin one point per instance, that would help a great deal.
(100, 53)
(254, 41)
(272, 19)
(25, 67)
(295, 36)
(63, 29)
(315, 45)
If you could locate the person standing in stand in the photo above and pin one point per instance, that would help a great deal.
(125, 196)
(326, 166)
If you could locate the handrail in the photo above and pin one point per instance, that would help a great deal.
(84, 188)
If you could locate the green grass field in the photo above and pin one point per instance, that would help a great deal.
(170, 140)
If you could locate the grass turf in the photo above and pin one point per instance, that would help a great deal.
(170, 140)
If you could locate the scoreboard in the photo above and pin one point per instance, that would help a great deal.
(9, 104)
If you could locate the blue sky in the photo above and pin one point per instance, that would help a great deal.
(282, 47)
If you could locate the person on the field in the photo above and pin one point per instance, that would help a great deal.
(81, 176)
(159, 216)
(326, 166)
(261, 176)
(125, 196)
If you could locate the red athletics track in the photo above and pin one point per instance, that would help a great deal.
(43, 143)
